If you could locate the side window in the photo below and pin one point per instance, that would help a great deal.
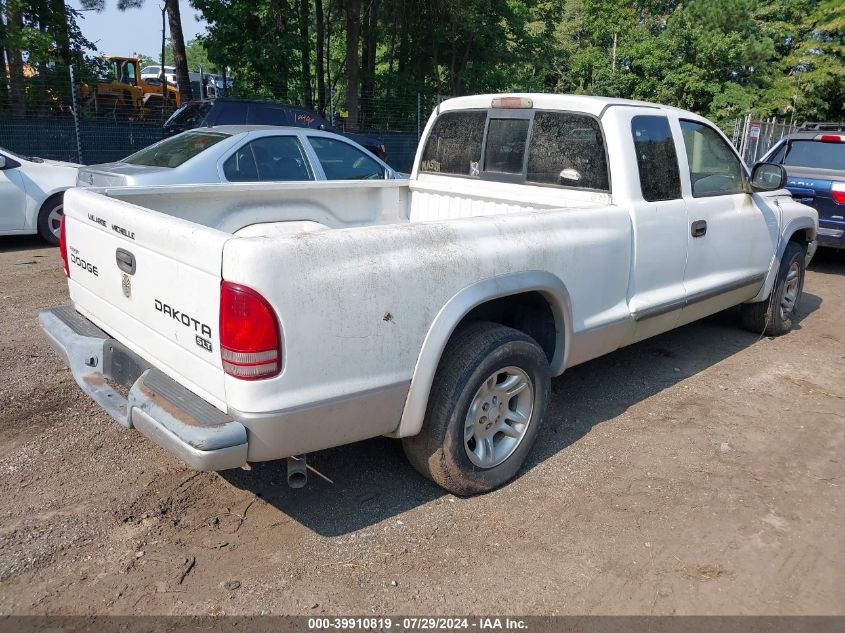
(777, 157)
(454, 144)
(229, 113)
(567, 149)
(342, 161)
(260, 114)
(714, 168)
(657, 160)
(271, 158)
(304, 118)
(240, 166)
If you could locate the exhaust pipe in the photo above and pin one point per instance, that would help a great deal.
(297, 471)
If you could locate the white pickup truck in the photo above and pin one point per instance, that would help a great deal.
(253, 322)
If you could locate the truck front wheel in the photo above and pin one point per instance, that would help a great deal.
(777, 314)
(486, 405)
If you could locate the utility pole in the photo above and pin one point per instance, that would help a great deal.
(163, 73)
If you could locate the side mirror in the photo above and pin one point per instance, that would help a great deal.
(2, 162)
(767, 177)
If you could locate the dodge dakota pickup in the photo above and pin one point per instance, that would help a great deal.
(236, 323)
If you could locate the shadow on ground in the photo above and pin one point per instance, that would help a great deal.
(12, 243)
(372, 481)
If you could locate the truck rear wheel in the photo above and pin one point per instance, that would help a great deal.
(486, 405)
(777, 314)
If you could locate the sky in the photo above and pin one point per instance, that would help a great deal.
(134, 30)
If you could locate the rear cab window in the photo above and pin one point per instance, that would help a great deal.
(535, 147)
(176, 150)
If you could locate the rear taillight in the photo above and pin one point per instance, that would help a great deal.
(830, 138)
(63, 244)
(250, 342)
(838, 192)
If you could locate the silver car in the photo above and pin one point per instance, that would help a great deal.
(241, 153)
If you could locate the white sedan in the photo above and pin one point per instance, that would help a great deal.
(31, 193)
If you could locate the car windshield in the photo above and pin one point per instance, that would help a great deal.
(32, 159)
(816, 154)
(189, 115)
(177, 150)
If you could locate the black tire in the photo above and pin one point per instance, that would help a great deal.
(45, 221)
(771, 317)
(475, 352)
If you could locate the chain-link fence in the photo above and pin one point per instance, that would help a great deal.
(103, 118)
(753, 136)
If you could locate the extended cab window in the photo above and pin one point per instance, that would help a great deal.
(714, 169)
(454, 144)
(567, 149)
(176, 150)
(657, 161)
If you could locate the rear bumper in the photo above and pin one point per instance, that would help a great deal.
(166, 412)
(829, 237)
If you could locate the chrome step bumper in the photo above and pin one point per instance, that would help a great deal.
(166, 412)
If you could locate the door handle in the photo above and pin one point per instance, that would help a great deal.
(698, 228)
(125, 261)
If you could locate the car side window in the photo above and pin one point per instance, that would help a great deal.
(714, 169)
(229, 113)
(657, 161)
(342, 161)
(304, 118)
(260, 114)
(777, 157)
(268, 159)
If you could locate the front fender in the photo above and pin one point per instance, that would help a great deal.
(790, 227)
(444, 324)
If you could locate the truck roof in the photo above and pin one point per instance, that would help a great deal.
(580, 103)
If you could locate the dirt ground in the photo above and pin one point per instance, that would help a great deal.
(697, 472)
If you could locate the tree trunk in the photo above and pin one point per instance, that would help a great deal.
(353, 35)
(320, 54)
(368, 63)
(13, 52)
(60, 24)
(4, 81)
(180, 58)
(305, 44)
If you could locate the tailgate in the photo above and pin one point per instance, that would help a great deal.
(152, 282)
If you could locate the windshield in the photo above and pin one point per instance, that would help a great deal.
(177, 150)
(816, 154)
(189, 115)
(32, 159)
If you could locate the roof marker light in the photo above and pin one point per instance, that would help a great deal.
(511, 102)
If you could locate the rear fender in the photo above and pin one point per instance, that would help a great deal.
(450, 316)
